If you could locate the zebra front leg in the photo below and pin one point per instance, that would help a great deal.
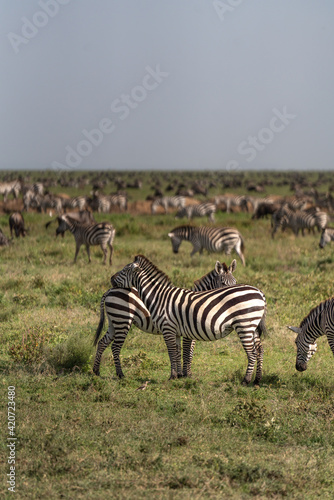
(188, 351)
(178, 357)
(88, 253)
(77, 248)
(170, 341)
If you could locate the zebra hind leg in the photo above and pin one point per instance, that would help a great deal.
(247, 340)
(259, 359)
(101, 347)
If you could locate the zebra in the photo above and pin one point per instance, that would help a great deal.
(79, 202)
(16, 223)
(198, 210)
(118, 200)
(213, 239)
(327, 236)
(124, 307)
(319, 321)
(168, 202)
(101, 234)
(231, 200)
(298, 220)
(7, 188)
(206, 316)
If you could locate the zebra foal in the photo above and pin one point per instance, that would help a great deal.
(206, 316)
(319, 321)
(101, 233)
(124, 307)
(212, 239)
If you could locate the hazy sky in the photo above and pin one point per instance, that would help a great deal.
(167, 84)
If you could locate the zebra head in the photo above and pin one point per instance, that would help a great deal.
(126, 277)
(176, 242)
(182, 212)
(325, 238)
(225, 274)
(62, 225)
(305, 351)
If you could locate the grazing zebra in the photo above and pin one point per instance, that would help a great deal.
(119, 200)
(84, 217)
(101, 234)
(207, 316)
(198, 210)
(231, 200)
(16, 223)
(213, 239)
(124, 307)
(298, 220)
(168, 202)
(319, 321)
(327, 236)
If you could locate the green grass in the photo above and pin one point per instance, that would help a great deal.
(81, 436)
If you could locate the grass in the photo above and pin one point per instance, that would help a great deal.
(81, 436)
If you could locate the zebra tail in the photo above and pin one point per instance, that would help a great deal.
(262, 329)
(101, 323)
(242, 244)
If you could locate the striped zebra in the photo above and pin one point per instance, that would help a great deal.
(298, 220)
(124, 307)
(118, 200)
(167, 202)
(213, 239)
(319, 321)
(205, 209)
(231, 200)
(101, 234)
(206, 316)
(79, 202)
(10, 187)
(327, 236)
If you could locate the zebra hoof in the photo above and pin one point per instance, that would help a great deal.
(120, 374)
(245, 382)
(96, 372)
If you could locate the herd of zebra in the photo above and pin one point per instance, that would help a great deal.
(143, 295)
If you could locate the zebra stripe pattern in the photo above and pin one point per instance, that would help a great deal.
(319, 321)
(206, 316)
(79, 202)
(7, 188)
(124, 307)
(299, 220)
(212, 239)
(327, 236)
(167, 202)
(101, 234)
(205, 209)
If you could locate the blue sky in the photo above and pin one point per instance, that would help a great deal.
(167, 84)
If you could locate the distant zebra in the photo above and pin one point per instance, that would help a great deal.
(205, 209)
(16, 223)
(124, 308)
(167, 202)
(319, 321)
(298, 220)
(10, 187)
(101, 234)
(213, 239)
(231, 200)
(206, 316)
(119, 200)
(79, 202)
(327, 236)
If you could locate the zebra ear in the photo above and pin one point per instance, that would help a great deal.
(218, 267)
(233, 266)
(295, 329)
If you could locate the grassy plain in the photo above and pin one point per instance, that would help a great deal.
(80, 436)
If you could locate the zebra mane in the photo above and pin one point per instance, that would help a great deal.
(144, 263)
(314, 312)
(186, 227)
